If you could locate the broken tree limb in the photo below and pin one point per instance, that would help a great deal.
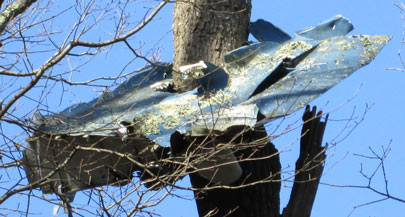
(309, 166)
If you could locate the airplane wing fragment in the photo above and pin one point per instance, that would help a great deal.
(104, 141)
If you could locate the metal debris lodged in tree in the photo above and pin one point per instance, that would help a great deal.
(104, 141)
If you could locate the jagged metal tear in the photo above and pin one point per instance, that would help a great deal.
(271, 78)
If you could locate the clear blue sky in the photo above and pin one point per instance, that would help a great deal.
(372, 85)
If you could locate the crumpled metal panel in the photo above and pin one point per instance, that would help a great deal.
(250, 66)
(272, 78)
(102, 116)
(329, 63)
(224, 118)
(214, 78)
(266, 31)
(278, 78)
(205, 76)
(257, 74)
(335, 26)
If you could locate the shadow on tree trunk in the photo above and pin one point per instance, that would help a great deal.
(257, 192)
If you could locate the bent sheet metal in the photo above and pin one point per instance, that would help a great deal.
(271, 78)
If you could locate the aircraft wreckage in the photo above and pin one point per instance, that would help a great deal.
(130, 129)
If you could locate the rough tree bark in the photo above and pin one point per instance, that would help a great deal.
(206, 30)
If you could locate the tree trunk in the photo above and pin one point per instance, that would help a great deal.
(256, 193)
(207, 30)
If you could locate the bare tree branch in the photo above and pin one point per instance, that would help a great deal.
(13, 10)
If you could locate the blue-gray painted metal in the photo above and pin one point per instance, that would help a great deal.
(263, 30)
(329, 63)
(215, 78)
(102, 115)
(335, 26)
(250, 66)
(269, 77)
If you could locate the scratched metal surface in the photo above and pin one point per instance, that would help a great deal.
(330, 62)
(274, 77)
